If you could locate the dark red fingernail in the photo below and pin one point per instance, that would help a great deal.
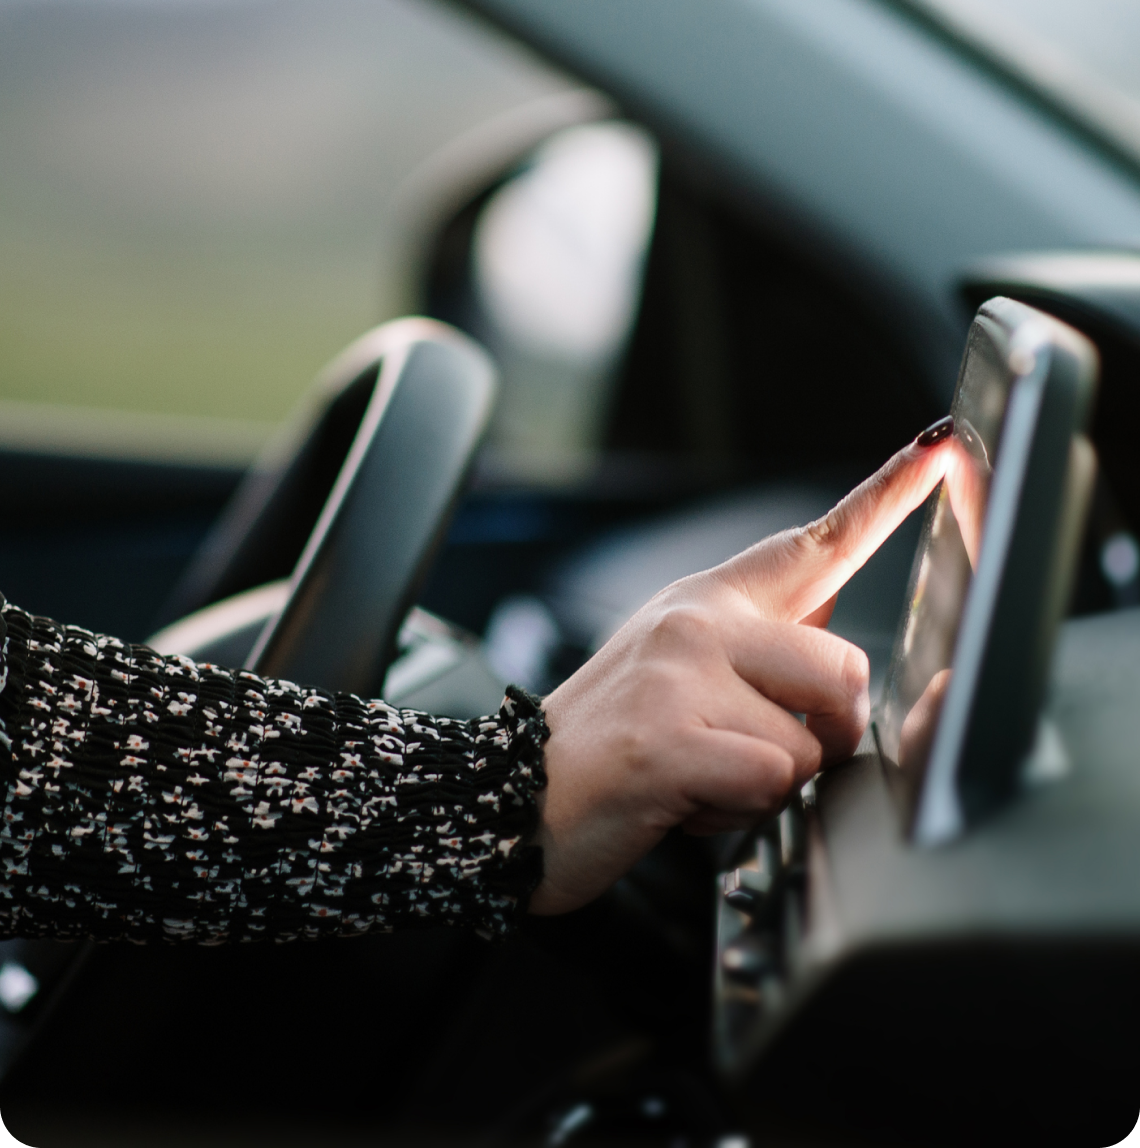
(936, 432)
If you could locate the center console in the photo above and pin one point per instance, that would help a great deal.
(863, 983)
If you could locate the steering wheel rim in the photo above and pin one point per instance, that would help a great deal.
(334, 623)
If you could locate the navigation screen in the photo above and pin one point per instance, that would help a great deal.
(907, 717)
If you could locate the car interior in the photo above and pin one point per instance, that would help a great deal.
(684, 303)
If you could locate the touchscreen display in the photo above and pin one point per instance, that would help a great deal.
(907, 717)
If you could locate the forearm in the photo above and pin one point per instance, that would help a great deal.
(149, 797)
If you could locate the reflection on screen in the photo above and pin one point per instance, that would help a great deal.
(907, 717)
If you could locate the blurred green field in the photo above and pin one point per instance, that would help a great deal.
(194, 198)
(175, 329)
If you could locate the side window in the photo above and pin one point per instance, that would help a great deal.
(558, 256)
(196, 212)
(748, 355)
(194, 200)
(634, 315)
(546, 269)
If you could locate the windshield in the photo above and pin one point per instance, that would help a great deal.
(1085, 54)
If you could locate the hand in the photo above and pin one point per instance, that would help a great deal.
(685, 716)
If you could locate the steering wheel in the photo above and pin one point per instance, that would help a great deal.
(354, 498)
(416, 395)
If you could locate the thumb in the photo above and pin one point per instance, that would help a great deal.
(791, 576)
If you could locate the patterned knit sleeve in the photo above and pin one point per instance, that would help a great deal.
(154, 798)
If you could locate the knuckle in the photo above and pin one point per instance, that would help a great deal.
(823, 531)
(855, 672)
(656, 701)
(683, 625)
(810, 752)
(838, 731)
(832, 532)
(782, 771)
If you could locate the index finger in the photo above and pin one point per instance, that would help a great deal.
(791, 575)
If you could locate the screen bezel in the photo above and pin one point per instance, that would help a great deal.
(1039, 488)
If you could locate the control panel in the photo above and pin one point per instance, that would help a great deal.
(760, 923)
